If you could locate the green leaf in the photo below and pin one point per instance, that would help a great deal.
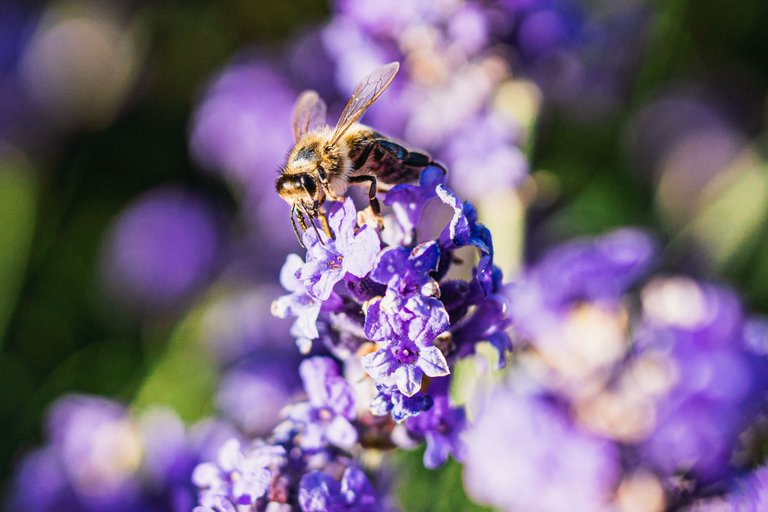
(185, 377)
(439, 490)
(18, 202)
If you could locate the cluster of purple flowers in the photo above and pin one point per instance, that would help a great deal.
(100, 457)
(620, 398)
(383, 325)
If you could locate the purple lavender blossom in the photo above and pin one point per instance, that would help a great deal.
(242, 476)
(327, 416)
(269, 380)
(404, 271)
(408, 327)
(406, 363)
(233, 130)
(487, 323)
(298, 304)
(718, 386)
(441, 426)
(523, 453)
(162, 248)
(319, 492)
(390, 400)
(597, 270)
(98, 457)
(408, 201)
(351, 251)
(748, 494)
(417, 319)
(445, 91)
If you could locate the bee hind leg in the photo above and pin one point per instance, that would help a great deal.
(373, 202)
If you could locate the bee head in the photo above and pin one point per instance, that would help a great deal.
(302, 189)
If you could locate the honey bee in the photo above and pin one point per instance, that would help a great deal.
(325, 161)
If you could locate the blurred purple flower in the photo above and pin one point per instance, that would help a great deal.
(98, 457)
(319, 492)
(441, 426)
(487, 323)
(718, 384)
(234, 128)
(162, 248)
(524, 454)
(241, 476)
(596, 270)
(237, 324)
(327, 416)
(748, 494)
(268, 380)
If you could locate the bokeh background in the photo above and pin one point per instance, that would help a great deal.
(140, 237)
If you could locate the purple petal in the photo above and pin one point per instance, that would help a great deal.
(318, 492)
(502, 343)
(360, 252)
(341, 398)
(356, 488)
(380, 364)
(377, 326)
(437, 451)
(341, 433)
(342, 221)
(389, 265)
(320, 276)
(252, 484)
(305, 325)
(408, 201)
(433, 362)
(408, 378)
(315, 373)
(289, 278)
(458, 230)
(425, 257)
(206, 474)
(431, 320)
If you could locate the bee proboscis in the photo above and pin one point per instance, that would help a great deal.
(326, 160)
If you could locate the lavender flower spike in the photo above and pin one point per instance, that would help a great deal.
(350, 252)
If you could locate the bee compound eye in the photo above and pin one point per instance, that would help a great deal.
(308, 183)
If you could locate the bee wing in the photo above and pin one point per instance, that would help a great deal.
(308, 113)
(364, 94)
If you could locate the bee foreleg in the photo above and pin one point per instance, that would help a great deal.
(312, 223)
(295, 229)
(372, 200)
(324, 223)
